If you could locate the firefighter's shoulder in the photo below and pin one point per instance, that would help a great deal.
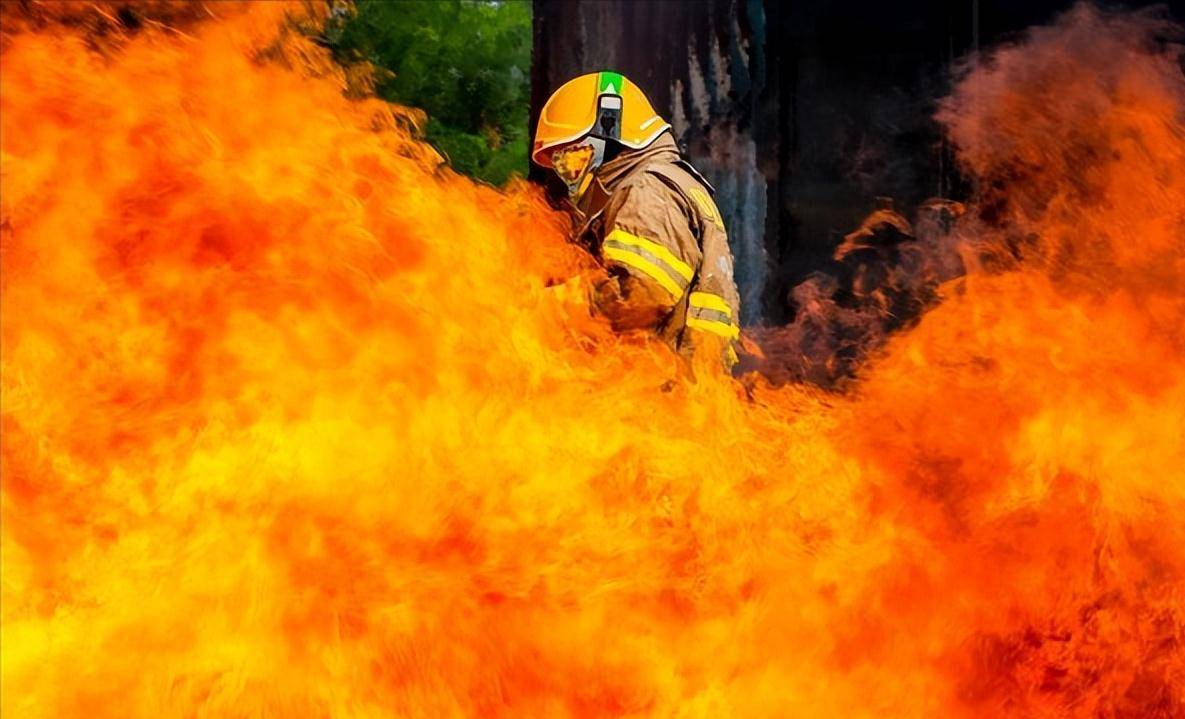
(695, 191)
(648, 231)
(650, 202)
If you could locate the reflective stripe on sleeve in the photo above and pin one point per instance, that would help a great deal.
(710, 313)
(709, 301)
(652, 259)
(716, 327)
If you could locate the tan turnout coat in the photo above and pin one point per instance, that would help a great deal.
(650, 218)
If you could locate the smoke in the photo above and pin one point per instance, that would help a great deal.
(1035, 134)
(1074, 138)
(883, 277)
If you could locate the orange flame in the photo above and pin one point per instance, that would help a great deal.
(296, 423)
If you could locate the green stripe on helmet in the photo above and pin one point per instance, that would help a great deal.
(611, 82)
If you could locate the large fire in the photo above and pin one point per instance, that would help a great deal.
(298, 423)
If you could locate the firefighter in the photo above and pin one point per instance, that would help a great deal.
(645, 212)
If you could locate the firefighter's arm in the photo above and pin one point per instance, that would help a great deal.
(650, 268)
(714, 305)
(713, 311)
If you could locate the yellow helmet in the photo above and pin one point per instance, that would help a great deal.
(601, 105)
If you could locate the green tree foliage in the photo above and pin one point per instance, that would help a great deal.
(465, 62)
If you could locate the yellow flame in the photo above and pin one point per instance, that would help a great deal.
(296, 423)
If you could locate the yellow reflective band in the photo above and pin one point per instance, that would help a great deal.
(723, 329)
(709, 301)
(651, 270)
(662, 253)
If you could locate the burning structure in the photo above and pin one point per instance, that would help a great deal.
(297, 422)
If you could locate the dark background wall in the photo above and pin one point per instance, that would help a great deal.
(800, 112)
